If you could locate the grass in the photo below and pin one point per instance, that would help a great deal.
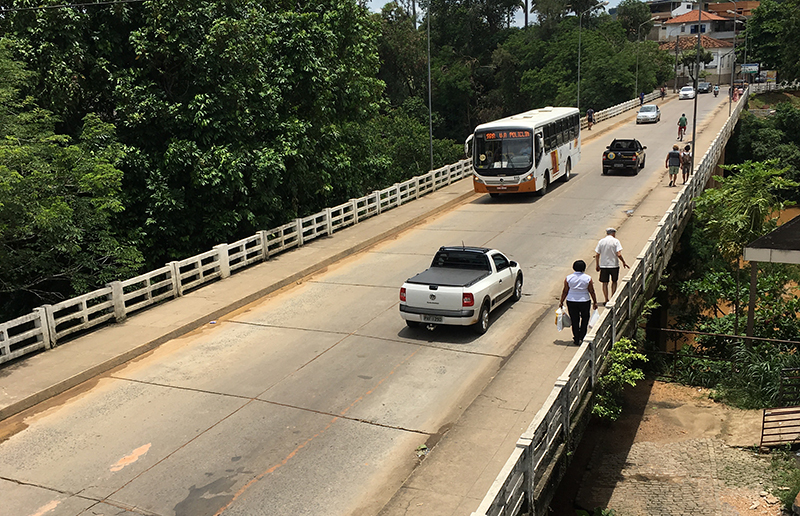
(785, 474)
(772, 98)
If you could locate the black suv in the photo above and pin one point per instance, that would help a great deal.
(703, 87)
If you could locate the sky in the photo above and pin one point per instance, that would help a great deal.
(376, 6)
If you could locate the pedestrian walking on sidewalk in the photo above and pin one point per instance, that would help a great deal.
(607, 256)
(673, 163)
(686, 162)
(580, 297)
(590, 118)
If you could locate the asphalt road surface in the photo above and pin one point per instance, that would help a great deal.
(314, 400)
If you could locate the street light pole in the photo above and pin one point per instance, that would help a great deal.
(580, 16)
(639, 28)
(733, 58)
(696, 80)
(677, 46)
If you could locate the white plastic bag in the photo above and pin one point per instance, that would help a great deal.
(594, 318)
(562, 319)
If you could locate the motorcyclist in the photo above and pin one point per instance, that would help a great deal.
(716, 90)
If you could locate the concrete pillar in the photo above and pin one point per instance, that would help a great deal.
(328, 222)
(299, 230)
(48, 325)
(118, 298)
(177, 287)
(264, 245)
(223, 260)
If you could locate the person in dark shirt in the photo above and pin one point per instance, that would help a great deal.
(673, 163)
(590, 118)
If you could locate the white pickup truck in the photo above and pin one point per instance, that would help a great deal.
(462, 286)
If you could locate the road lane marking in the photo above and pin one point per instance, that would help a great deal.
(130, 459)
(46, 508)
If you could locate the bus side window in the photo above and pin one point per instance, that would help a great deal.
(538, 147)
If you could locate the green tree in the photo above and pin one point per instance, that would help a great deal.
(244, 116)
(58, 200)
(635, 18)
(688, 58)
(403, 55)
(773, 30)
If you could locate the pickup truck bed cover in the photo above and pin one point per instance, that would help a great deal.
(449, 277)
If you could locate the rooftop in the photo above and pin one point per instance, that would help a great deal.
(691, 17)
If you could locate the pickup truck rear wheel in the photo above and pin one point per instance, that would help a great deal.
(483, 320)
(518, 288)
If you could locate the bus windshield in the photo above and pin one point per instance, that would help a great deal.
(502, 152)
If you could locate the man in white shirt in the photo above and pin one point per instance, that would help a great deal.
(608, 255)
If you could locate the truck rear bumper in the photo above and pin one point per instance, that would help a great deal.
(464, 317)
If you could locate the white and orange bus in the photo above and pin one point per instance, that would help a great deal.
(525, 152)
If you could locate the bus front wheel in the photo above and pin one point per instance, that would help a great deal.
(545, 184)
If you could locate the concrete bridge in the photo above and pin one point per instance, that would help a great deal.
(253, 391)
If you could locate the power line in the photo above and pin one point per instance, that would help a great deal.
(64, 6)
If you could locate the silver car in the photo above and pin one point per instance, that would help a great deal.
(648, 113)
(687, 92)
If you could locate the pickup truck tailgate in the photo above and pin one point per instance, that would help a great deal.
(434, 298)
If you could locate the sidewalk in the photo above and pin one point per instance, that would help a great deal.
(33, 379)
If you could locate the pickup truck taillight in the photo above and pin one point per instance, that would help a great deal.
(468, 300)
(402, 293)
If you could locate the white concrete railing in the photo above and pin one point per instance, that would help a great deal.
(619, 109)
(550, 427)
(49, 324)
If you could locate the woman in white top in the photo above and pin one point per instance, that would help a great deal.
(579, 294)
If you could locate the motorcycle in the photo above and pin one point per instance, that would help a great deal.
(716, 91)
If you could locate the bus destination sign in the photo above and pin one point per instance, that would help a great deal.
(507, 135)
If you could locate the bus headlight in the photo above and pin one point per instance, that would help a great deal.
(477, 179)
(528, 177)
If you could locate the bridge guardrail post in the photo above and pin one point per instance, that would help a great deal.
(563, 400)
(354, 204)
(177, 284)
(118, 298)
(264, 244)
(328, 222)
(48, 325)
(611, 308)
(223, 260)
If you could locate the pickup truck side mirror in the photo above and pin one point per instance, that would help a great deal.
(512, 263)
(644, 147)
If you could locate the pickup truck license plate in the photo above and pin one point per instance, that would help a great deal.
(432, 318)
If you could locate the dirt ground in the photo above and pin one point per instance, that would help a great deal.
(670, 422)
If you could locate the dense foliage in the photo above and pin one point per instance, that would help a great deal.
(58, 199)
(708, 288)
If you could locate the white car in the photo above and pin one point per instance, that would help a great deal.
(648, 113)
(687, 92)
(461, 287)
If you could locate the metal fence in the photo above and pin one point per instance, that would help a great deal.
(49, 325)
(537, 448)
